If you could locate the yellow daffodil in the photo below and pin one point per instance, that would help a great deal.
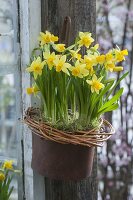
(109, 57)
(60, 47)
(2, 176)
(120, 55)
(54, 38)
(125, 52)
(90, 61)
(49, 58)
(109, 66)
(8, 164)
(36, 67)
(95, 84)
(79, 70)
(32, 90)
(90, 69)
(75, 54)
(94, 49)
(85, 39)
(109, 61)
(118, 69)
(101, 59)
(46, 38)
(61, 64)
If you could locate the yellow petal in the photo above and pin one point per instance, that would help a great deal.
(117, 69)
(124, 52)
(38, 59)
(29, 90)
(92, 89)
(65, 70)
(89, 82)
(2, 177)
(67, 65)
(94, 77)
(96, 46)
(46, 55)
(81, 34)
(63, 58)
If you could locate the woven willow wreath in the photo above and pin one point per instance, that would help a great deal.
(94, 137)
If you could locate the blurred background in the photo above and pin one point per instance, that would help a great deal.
(115, 159)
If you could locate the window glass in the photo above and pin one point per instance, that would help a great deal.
(8, 140)
(8, 75)
(6, 32)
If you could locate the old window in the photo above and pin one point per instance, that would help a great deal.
(9, 84)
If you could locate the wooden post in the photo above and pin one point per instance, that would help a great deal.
(83, 18)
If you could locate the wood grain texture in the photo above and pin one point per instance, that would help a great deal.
(83, 18)
(82, 13)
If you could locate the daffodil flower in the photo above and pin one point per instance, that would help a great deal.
(109, 57)
(79, 70)
(32, 90)
(94, 49)
(85, 39)
(90, 61)
(120, 55)
(46, 38)
(54, 38)
(101, 59)
(2, 176)
(109, 66)
(95, 84)
(75, 54)
(36, 67)
(8, 164)
(61, 64)
(60, 47)
(49, 58)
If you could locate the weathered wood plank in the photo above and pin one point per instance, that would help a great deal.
(39, 187)
(26, 137)
(30, 26)
(83, 15)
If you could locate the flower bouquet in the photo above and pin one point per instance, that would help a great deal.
(75, 89)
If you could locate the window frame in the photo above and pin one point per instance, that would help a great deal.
(30, 26)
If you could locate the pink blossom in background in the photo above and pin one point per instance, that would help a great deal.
(105, 44)
(107, 197)
(104, 161)
(110, 183)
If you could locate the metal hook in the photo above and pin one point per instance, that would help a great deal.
(65, 33)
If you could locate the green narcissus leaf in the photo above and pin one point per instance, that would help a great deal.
(116, 84)
(70, 47)
(108, 109)
(112, 100)
(102, 93)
